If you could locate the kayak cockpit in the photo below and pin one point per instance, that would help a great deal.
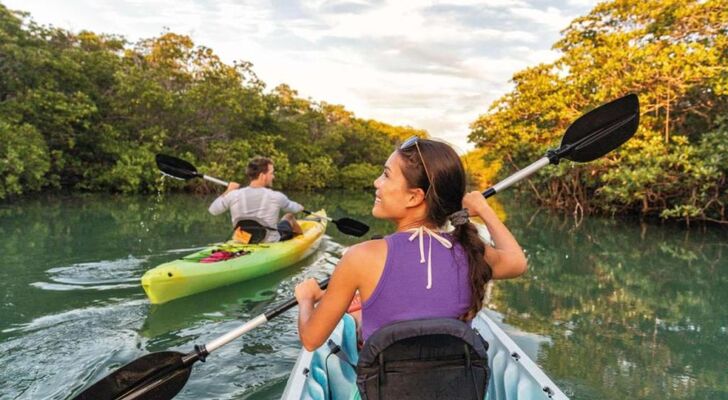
(323, 375)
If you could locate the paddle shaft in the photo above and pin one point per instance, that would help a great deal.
(223, 183)
(586, 139)
(521, 174)
(591, 136)
(551, 157)
(255, 322)
(180, 169)
(162, 375)
(214, 180)
(311, 213)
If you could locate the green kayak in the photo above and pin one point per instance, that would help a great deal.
(187, 276)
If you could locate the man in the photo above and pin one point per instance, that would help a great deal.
(259, 203)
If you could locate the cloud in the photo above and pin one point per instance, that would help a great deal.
(434, 65)
(551, 17)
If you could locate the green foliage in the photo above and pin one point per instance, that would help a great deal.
(316, 174)
(134, 169)
(228, 159)
(100, 108)
(673, 54)
(359, 176)
(23, 159)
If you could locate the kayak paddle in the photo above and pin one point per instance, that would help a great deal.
(346, 225)
(183, 170)
(593, 135)
(161, 375)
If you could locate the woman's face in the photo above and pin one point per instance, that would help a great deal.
(393, 198)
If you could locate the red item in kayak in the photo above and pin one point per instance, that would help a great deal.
(217, 256)
(222, 255)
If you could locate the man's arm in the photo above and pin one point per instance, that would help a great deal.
(288, 205)
(222, 204)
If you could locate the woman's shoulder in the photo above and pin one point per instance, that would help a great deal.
(373, 246)
(364, 253)
(364, 260)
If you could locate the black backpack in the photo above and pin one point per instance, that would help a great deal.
(424, 359)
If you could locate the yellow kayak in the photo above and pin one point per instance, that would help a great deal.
(188, 275)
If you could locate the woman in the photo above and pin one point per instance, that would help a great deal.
(418, 271)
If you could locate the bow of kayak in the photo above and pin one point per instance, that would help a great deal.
(188, 275)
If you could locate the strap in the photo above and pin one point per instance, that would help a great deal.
(244, 198)
(336, 350)
(420, 232)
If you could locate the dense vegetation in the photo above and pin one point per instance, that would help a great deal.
(674, 55)
(87, 112)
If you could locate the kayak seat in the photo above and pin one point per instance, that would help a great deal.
(424, 359)
(256, 230)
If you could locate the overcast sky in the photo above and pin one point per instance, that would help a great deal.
(428, 64)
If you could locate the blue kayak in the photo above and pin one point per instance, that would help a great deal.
(318, 376)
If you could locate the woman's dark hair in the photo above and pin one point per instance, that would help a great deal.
(256, 166)
(447, 177)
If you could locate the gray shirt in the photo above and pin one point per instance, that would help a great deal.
(259, 204)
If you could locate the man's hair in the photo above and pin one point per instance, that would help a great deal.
(256, 166)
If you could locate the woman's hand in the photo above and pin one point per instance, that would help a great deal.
(475, 203)
(506, 259)
(308, 292)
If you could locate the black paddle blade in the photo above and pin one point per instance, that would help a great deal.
(601, 130)
(351, 227)
(176, 167)
(157, 376)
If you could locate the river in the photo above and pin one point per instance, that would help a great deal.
(610, 308)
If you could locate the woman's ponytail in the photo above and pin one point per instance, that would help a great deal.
(444, 203)
(480, 272)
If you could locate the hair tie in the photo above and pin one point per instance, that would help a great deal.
(461, 217)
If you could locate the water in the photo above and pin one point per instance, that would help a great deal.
(610, 309)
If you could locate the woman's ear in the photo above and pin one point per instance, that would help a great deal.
(415, 197)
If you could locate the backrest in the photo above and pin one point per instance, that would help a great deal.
(257, 231)
(424, 359)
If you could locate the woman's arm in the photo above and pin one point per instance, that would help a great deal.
(506, 259)
(317, 321)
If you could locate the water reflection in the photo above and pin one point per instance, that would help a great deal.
(610, 308)
(633, 310)
(214, 305)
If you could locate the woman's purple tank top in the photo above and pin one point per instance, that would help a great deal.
(401, 293)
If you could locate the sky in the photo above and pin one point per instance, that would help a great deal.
(434, 65)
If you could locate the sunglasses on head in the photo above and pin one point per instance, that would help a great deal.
(413, 141)
(409, 142)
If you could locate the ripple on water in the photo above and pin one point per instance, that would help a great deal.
(44, 363)
(55, 356)
(246, 365)
(122, 273)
